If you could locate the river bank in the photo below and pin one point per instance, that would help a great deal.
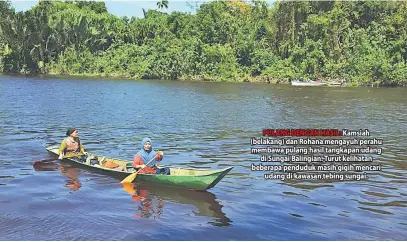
(247, 79)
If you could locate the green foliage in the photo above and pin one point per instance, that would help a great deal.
(363, 42)
(219, 62)
(282, 70)
(261, 60)
(97, 7)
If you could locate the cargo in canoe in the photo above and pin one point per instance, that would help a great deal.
(190, 178)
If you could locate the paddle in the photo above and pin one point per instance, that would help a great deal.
(56, 158)
(130, 178)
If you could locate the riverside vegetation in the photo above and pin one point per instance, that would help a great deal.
(364, 42)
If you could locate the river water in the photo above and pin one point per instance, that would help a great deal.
(199, 125)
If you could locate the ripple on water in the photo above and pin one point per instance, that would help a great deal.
(376, 210)
(386, 204)
(58, 201)
(295, 194)
(296, 215)
(7, 177)
(317, 204)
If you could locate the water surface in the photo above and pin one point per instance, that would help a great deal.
(199, 125)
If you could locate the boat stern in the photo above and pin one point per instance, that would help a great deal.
(53, 149)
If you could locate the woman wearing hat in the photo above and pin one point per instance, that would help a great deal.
(71, 144)
(146, 159)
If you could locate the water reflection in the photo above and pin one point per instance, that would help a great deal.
(150, 199)
(147, 208)
(51, 166)
(153, 197)
(71, 173)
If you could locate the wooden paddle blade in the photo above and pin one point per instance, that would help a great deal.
(130, 178)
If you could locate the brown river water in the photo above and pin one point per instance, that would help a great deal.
(198, 125)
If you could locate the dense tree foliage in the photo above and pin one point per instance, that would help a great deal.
(362, 42)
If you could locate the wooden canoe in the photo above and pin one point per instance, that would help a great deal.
(190, 178)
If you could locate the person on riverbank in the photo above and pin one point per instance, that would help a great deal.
(71, 144)
(146, 159)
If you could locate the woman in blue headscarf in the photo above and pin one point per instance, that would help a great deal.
(146, 159)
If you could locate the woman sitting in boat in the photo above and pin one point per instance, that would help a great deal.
(146, 159)
(71, 143)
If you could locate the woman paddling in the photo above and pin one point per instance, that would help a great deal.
(146, 159)
(71, 144)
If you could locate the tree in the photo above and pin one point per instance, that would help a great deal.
(162, 4)
(365, 42)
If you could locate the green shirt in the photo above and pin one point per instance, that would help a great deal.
(64, 146)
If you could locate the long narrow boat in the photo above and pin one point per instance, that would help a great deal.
(194, 179)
